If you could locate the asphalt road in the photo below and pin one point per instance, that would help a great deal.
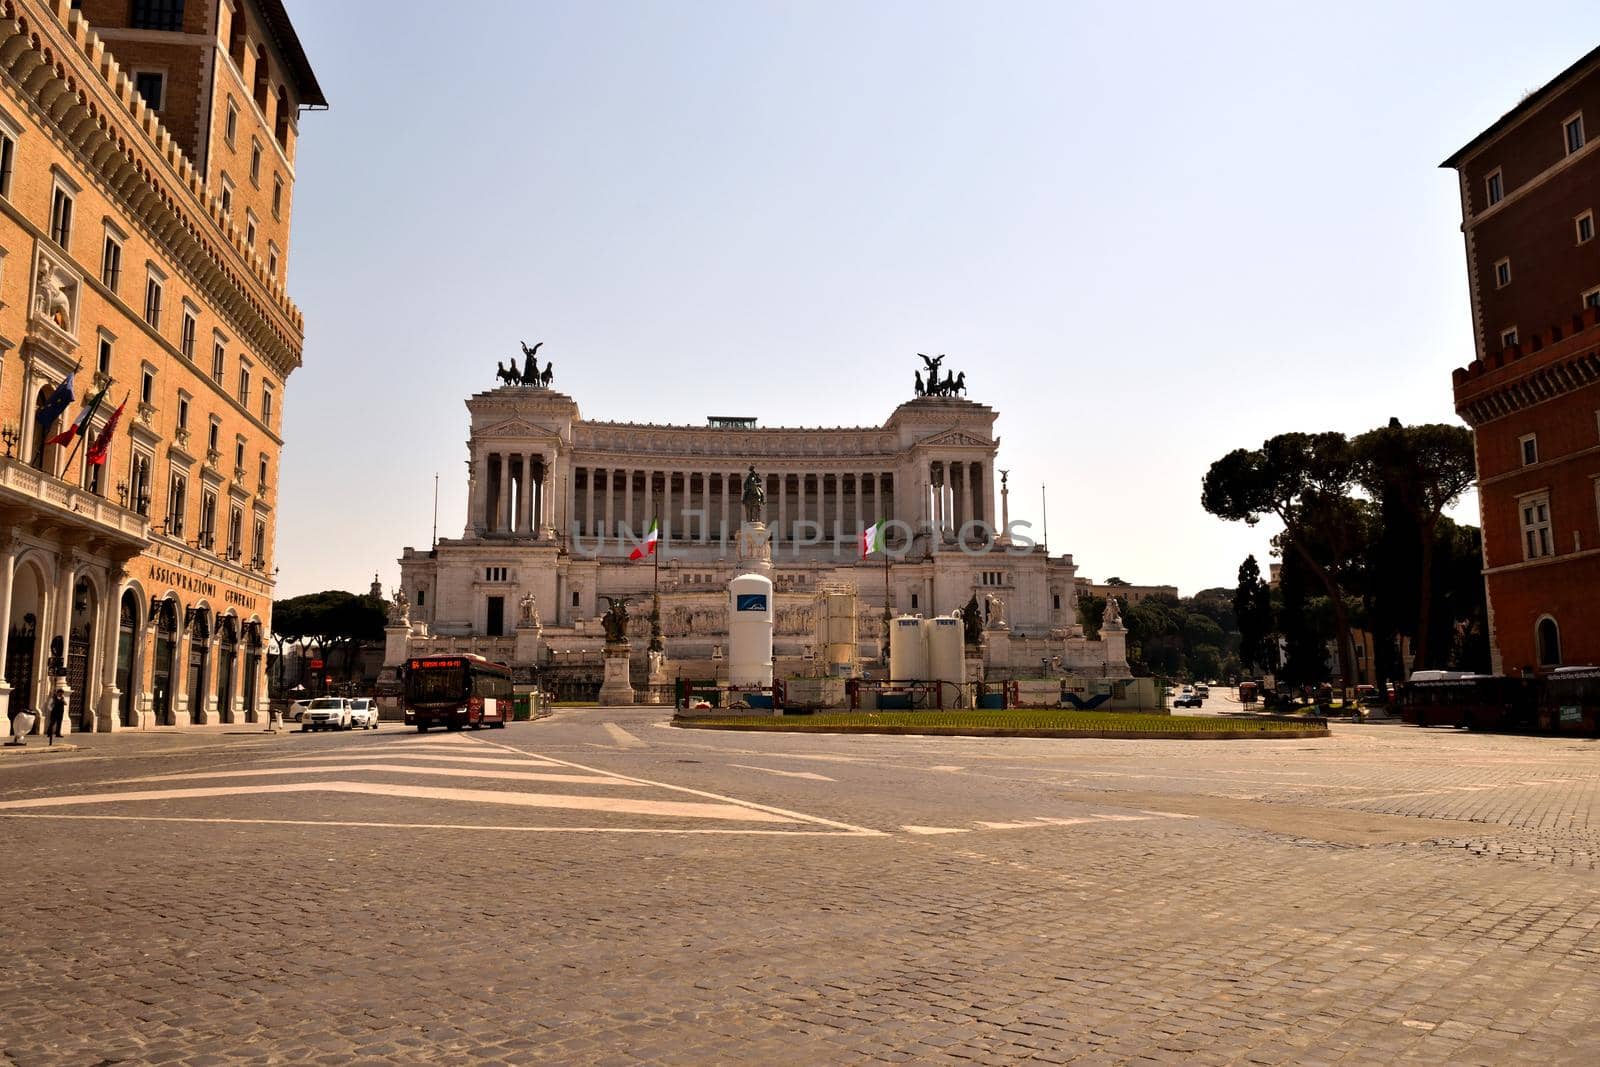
(601, 887)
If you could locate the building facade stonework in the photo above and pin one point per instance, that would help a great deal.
(146, 165)
(1530, 201)
(553, 498)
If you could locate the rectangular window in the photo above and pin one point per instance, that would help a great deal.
(244, 384)
(1536, 542)
(103, 359)
(152, 302)
(1495, 188)
(235, 534)
(156, 15)
(183, 411)
(261, 472)
(1585, 224)
(231, 127)
(61, 217)
(1529, 444)
(218, 355)
(1508, 337)
(1591, 299)
(913, 602)
(208, 520)
(1573, 131)
(250, 230)
(277, 196)
(255, 163)
(8, 155)
(1502, 273)
(177, 502)
(148, 84)
(259, 557)
(147, 387)
(186, 339)
(211, 435)
(496, 622)
(272, 259)
(238, 455)
(111, 262)
(227, 196)
(266, 404)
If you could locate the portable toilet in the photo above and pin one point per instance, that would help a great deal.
(946, 652)
(908, 650)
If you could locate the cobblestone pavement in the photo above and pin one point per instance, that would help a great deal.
(599, 887)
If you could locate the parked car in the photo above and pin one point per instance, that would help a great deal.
(364, 713)
(327, 713)
(1188, 700)
(297, 709)
(1202, 689)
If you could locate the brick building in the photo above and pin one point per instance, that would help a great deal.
(1530, 190)
(146, 164)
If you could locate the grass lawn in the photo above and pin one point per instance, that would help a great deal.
(1020, 722)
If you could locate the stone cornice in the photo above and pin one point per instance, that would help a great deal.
(1515, 379)
(123, 146)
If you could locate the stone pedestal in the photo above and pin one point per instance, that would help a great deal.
(755, 549)
(997, 648)
(615, 687)
(1114, 638)
(526, 650)
(396, 644)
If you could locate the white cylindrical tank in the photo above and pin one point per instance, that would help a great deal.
(946, 662)
(908, 650)
(750, 630)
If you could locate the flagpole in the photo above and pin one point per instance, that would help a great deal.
(656, 643)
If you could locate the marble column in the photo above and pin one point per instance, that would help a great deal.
(627, 499)
(609, 522)
(61, 629)
(667, 522)
(727, 524)
(837, 533)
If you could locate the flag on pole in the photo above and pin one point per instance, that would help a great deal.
(56, 402)
(80, 424)
(649, 546)
(872, 539)
(102, 442)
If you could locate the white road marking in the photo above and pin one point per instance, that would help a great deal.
(742, 831)
(787, 774)
(622, 737)
(935, 829)
(863, 831)
(669, 808)
(1168, 814)
(944, 767)
(445, 772)
(493, 761)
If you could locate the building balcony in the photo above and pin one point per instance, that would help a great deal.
(70, 506)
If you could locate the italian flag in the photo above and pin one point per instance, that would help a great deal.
(872, 539)
(650, 539)
(81, 423)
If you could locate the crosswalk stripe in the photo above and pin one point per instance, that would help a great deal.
(617, 805)
(441, 772)
(622, 737)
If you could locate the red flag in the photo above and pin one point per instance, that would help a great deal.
(102, 443)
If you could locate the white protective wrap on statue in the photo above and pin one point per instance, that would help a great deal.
(750, 619)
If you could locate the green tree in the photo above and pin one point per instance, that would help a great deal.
(1424, 469)
(1091, 613)
(1304, 480)
(1252, 606)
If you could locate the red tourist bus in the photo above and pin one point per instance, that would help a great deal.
(456, 691)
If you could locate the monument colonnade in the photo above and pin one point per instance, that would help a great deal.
(535, 493)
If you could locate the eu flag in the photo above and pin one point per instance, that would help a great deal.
(56, 402)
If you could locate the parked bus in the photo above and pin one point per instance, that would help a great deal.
(1569, 702)
(457, 690)
(1470, 701)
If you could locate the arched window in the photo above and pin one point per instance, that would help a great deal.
(262, 79)
(236, 45)
(1549, 642)
(280, 128)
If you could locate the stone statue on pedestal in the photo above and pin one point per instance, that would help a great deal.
(615, 620)
(755, 497)
(1113, 611)
(400, 609)
(997, 610)
(528, 613)
(972, 622)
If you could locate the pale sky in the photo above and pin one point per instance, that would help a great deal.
(1149, 234)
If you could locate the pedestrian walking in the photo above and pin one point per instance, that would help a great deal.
(58, 714)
